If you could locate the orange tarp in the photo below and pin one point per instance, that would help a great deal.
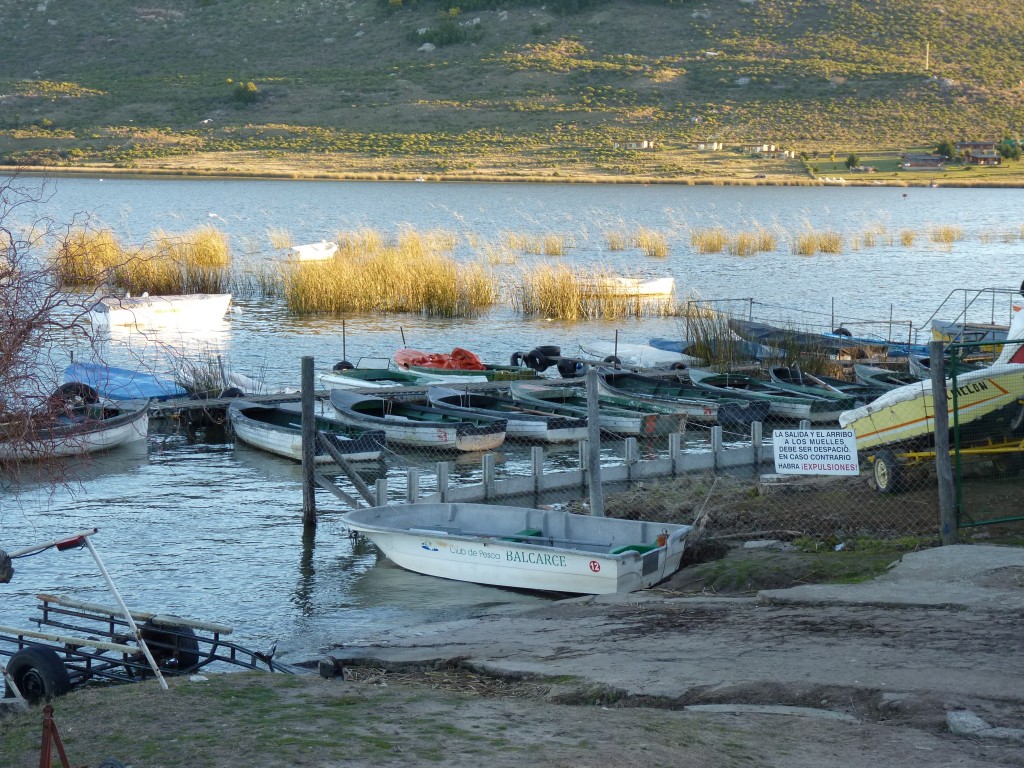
(459, 360)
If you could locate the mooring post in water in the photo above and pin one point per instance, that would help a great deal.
(594, 445)
(943, 462)
(308, 446)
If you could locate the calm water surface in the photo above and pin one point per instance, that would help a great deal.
(212, 531)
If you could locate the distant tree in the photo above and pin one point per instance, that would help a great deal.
(1009, 148)
(947, 149)
(852, 161)
(246, 93)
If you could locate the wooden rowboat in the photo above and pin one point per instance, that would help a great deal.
(277, 429)
(73, 430)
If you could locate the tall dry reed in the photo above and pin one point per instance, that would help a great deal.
(86, 257)
(563, 293)
(652, 243)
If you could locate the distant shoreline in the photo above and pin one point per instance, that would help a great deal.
(469, 178)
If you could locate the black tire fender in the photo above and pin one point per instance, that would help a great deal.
(889, 474)
(613, 360)
(567, 369)
(343, 365)
(175, 649)
(840, 331)
(538, 362)
(39, 674)
(678, 366)
(75, 390)
(549, 351)
(232, 392)
(517, 358)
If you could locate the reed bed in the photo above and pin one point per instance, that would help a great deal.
(280, 238)
(195, 262)
(616, 240)
(652, 243)
(750, 243)
(709, 240)
(558, 292)
(410, 276)
(810, 242)
(946, 233)
(548, 244)
(907, 238)
(86, 257)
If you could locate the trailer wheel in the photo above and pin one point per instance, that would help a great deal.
(888, 472)
(39, 674)
(175, 650)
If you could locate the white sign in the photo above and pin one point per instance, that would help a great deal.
(815, 452)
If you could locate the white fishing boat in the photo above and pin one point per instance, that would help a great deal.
(381, 373)
(906, 414)
(277, 429)
(637, 355)
(73, 430)
(192, 310)
(524, 548)
(313, 251)
(658, 288)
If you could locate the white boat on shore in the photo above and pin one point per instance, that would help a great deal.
(192, 310)
(524, 548)
(637, 355)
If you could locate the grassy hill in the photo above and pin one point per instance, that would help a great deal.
(509, 90)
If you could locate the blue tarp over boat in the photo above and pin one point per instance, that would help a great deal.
(122, 383)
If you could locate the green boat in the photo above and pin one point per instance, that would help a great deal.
(784, 403)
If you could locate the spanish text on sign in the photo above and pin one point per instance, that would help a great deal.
(815, 452)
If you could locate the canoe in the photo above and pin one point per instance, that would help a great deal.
(784, 403)
(418, 425)
(989, 397)
(524, 548)
(637, 355)
(313, 251)
(196, 309)
(882, 378)
(441, 366)
(642, 419)
(732, 348)
(793, 376)
(700, 405)
(73, 430)
(122, 383)
(837, 342)
(381, 373)
(277, 429)
(524, 423)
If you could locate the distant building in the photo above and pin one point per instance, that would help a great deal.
(982, 157)
(768, 150)
(709, 146)
(642, 144)
(913, 161)
(975, 146)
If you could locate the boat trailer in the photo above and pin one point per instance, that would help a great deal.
(77, 642)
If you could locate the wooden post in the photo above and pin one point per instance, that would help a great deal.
(716, 444)
(675, 451)
(594, 445)
(412, 485)
(757, 440)
(487, 467)
(442, 480)
(308, 446)
(381, 491)
(537, 468)
(943, 462)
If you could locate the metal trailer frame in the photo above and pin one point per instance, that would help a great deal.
(103, 648)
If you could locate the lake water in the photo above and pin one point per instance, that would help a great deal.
(212, 531)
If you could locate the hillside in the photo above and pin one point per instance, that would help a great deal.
(509, 89)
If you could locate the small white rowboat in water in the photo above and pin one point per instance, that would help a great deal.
(524, 548)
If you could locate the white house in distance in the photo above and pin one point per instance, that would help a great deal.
(642, 144)
(709, 146)
(765, 149)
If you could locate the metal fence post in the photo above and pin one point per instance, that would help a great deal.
(943, 462)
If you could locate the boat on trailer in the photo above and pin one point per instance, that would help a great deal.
(524, 548)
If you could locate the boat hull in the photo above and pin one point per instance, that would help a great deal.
(418, 426)
(188, 309)
(524, 548)
(907, 414)
(282, 436)
(79, 436)
(522, 424)
(121, 383)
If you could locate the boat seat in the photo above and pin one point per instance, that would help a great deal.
(525, 535)
(640, 548)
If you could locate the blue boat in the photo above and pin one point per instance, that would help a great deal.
(122, 383)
